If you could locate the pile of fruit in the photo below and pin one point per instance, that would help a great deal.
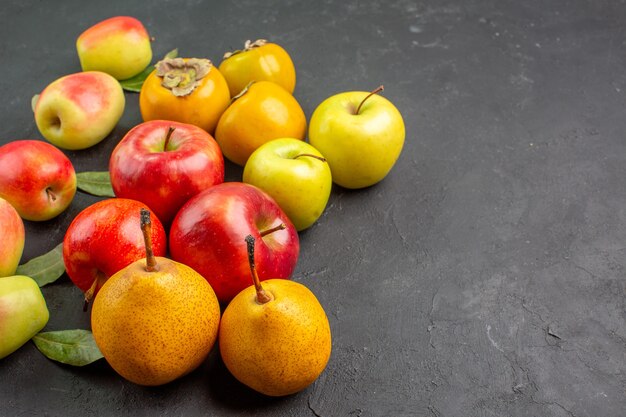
(230, 244)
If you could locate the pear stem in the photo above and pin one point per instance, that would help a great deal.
(321, 158)
(377, 90)
(89, 294)
(167, 138)
(261, 296)
(146, 229)
(272, 230)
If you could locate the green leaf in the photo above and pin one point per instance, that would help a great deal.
(171, 54)
(46, 268)
(134, 84)
(33, 102)
(72, 347)
(97, 183)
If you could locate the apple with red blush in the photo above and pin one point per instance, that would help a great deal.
(163, 164)
(104, 238)
(79, 110)
(208, 231)
(13, 236)
(36, 178)
(119, 46)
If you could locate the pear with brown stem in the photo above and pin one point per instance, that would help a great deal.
(155, 320)
(275, 337)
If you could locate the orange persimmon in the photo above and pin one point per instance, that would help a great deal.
(186, 90)
(262, 112)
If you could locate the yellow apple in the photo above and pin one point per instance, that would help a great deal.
(23, 312)
(361, 136)
(295, 174)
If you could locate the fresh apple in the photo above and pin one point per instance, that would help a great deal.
(119, 46)
(79, 110)
(23, 312)
(208, 234)
(360, 134)
(104, 238)
(163, 164)
(12, 242)
(295, 174)
(36, 178)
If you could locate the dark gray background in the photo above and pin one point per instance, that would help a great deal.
(483, 277)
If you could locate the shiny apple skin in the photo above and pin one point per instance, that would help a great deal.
(164, 175)
(106, 237)
(36, 178)
(208, 234)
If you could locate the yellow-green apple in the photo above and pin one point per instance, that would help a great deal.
(208, 234)
(79, 110)
(163, 164)
(12, 242)
(360, 134)
(36, 178)
(119, 46)
(104, 238)
(23, 312)
(295, 174)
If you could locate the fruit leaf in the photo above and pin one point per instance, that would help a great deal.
(71, 347)
(46, 268)
(33, 102)
(134, 84)
(96, 183)
(171, 54)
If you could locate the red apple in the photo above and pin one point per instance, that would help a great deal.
(163, 164)
(104, 238)
(12, 242)
(36, 178)
(208, 234)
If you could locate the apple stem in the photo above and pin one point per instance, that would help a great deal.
(321, 158)
(272, 230)
(146, 229)
(167, 137)
(377, 90)
(51, 196)
(261, 296)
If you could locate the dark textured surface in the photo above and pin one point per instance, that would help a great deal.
(483, 277)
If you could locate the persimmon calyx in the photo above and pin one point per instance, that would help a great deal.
(246, 47)
(242, 92)
(181, 76)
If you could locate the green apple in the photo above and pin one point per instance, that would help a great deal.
(12, 242)
(23, 312)
(295, 174)
(361, 135)
(79, 110)
(119, 46)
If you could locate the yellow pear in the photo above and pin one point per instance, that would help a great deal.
(155, 320)
(274, 338)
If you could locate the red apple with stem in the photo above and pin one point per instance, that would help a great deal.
(36, 178)
(104, 238)
(163, 164)
(207, 232)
